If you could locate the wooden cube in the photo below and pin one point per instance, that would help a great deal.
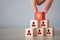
(40, 32)
(39, 16)
(44, 23)
(49, 31)
(29, 32)
(34, 23)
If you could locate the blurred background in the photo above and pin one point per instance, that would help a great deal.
(18, 13)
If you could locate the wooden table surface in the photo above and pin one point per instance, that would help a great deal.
(17, 33)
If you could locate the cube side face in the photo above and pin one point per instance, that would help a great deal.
(43, 16)
(44, 23)
(49, 32)
(38, 23)
(53, 31)
(47, 23)
(34, 24)
(28, 32)
(34, 32)
(40, 32)
(39, 16)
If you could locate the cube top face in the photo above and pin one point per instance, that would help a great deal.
(39, 15)
(44, 23)
(29, 32)
(33, 23)
(40, 32)
(49, 31)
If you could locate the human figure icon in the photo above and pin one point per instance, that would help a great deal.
(33, 24)
(48, 31)
(43, 24)
(28, 32)
(39, 31)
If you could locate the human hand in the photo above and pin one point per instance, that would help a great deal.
(47, 5)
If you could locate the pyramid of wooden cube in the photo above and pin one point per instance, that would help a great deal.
(39, 26)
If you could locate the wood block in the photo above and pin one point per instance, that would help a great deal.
(44, 23)
(49, 32)
(34, 23)
(40, 32)
(29, 32)
(39, 16)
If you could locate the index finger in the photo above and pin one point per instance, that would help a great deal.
(34, 7)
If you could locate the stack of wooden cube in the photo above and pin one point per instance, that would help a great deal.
(39, 26)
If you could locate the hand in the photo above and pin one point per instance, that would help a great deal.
(47, 5)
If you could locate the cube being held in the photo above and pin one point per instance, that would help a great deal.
(40, 32)
(30, 32)
(34, 23)
(44, 23)
(39, 15)
(49, 31)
